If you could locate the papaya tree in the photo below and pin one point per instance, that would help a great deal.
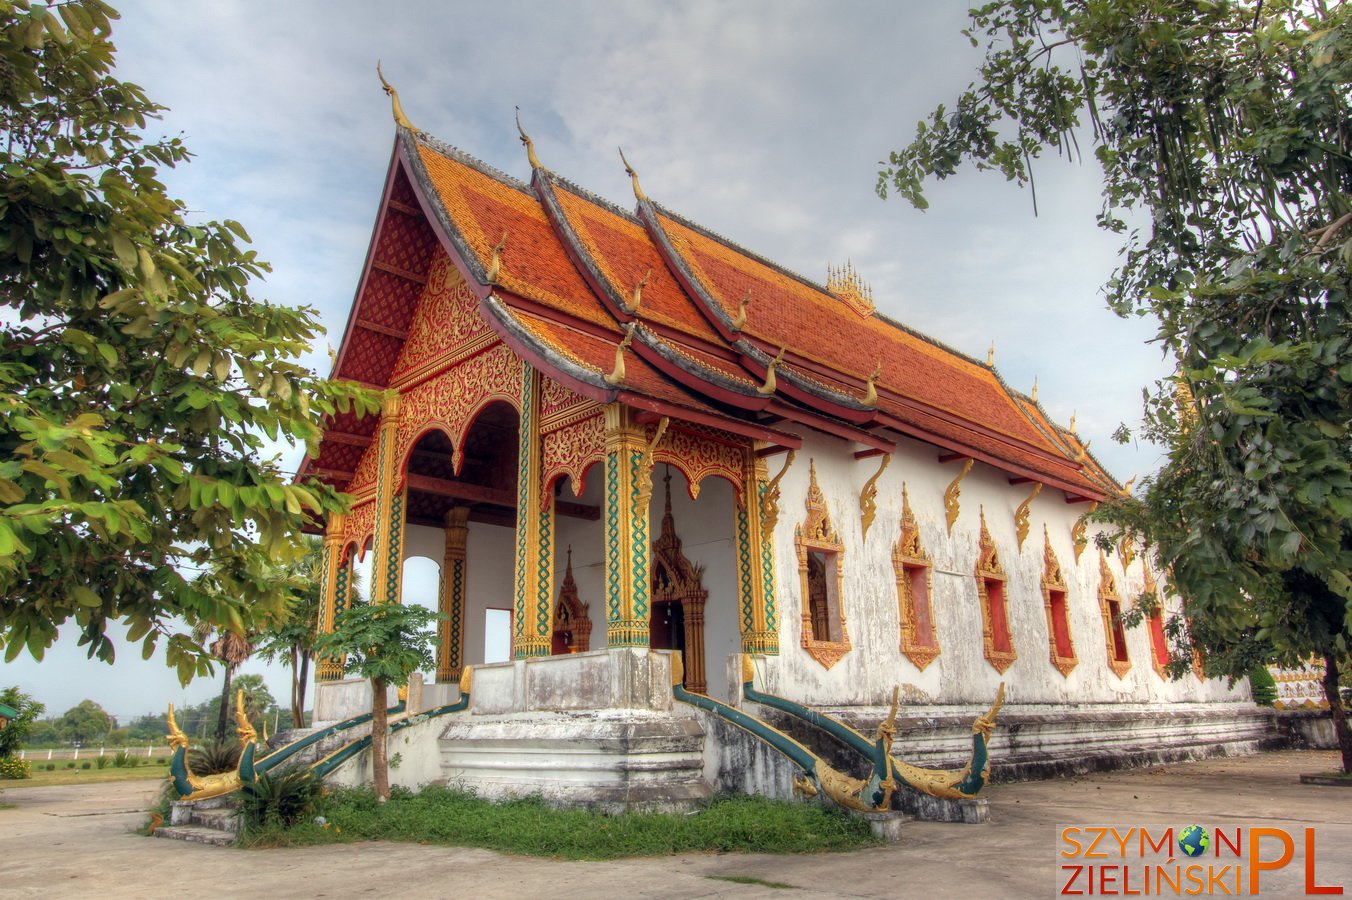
(385, 643)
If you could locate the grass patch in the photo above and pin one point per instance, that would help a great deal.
(43, 778)
(530, 827)
(752, 879)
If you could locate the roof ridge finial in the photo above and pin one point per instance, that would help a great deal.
(871, 391)
(1072, 421)
(1033, 395)
(739, 320)
(767, 389)
(616, 375)
(845, 283)
(637, 300)
(990, 356)
(396, 107)
(530, 145)
(633, 177)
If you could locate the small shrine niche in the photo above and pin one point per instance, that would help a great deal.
(821, 557)
(914, 571)
(572, 624)
(678, 598)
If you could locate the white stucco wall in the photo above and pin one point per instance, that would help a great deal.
(961, 674)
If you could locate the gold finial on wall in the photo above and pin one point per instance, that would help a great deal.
(1021, 515)
(616, 375)
(530, 145)
(633, 177)
(495, 264)
(868, 497)
(770, 381)
(1084, 452)
(770, 499)
(396, 107)
(1126, 488)
(871, 388)
(739, 320)
(951, 494)
(1077, 531)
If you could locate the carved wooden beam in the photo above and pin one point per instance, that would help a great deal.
(477, 493)
(382, 329)
(398, 272)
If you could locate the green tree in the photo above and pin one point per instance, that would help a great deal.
(385, 643)
(292, 641)
(18, 729)
(85, 722)
(138, 375)
(259, 704)
(1224, 128)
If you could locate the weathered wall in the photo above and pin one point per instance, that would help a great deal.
(961, 674)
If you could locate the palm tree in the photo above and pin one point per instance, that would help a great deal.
(232, 648)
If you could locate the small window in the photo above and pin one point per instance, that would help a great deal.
(821, 556)
(996, 638)
(1060, 645)
(1114, 635)
(911, 563)
(1159, 644)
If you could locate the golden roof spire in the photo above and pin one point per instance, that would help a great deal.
(633, 176)
(845, 283)
(395, 106)
(1034, 394)
(990, 355)
(530, 145)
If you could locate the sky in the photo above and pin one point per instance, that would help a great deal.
(763, 120)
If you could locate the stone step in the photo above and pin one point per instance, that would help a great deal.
(196, 834)
(224, 819)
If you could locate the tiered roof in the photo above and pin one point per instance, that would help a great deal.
(563, 276)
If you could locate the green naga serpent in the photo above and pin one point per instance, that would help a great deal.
(191, 786)
(873, 794)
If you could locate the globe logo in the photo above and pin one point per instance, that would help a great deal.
(1194, 840)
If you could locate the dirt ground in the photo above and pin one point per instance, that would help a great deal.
(78, 841)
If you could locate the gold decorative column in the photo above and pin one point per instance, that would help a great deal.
(387, 567)
(336, 573)
(628, 490)
(534, 594)
(753, 518)
(451, 630)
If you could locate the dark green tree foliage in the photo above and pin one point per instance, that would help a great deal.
(385, 643)
(1225, 128)
(138, 375)
(16, 732)
(85, 722)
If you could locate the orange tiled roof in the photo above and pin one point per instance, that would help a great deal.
(567, 276)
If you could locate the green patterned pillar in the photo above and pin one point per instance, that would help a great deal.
(628, 492)
(451, 630)
(758, 615)
(336, 572)
(387, 566)
(534, 616)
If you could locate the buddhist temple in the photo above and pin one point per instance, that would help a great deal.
(670, 461)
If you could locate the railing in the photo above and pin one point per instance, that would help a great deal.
(151, 751)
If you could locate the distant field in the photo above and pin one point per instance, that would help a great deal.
(43, 778)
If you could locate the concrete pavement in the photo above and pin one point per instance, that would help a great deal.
(77, 841)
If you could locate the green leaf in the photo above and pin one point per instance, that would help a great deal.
(84, 596)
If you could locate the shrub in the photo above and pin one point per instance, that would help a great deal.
(214, 758)
(103, 762)
(1263, 686)
(162, 761)
(51, 767)
(123, 760)
(12, 767)
(70, 765)
(283, 799)
(84, 765)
